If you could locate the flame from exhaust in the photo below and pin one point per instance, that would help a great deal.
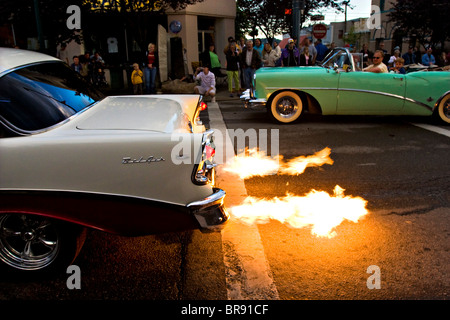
(298, 165)
(318, 210)
(257, 163)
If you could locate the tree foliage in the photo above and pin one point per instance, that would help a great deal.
(425, 20)
(269, 16)
(133, 6)
(53, 16)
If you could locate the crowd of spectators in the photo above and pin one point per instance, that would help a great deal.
(243, 57)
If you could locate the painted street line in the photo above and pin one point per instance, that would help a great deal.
(432, 128)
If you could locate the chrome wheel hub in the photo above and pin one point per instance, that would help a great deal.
(286, 107)
(27, 242)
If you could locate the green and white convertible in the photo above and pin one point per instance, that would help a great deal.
(339, 87)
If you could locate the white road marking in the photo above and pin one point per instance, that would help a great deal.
(432, 128)
(248, 273)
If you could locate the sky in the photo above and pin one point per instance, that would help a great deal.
(361, 9)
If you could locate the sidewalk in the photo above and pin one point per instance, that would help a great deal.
(248, 273)
(222, 93)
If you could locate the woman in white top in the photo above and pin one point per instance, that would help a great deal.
(269, 56)
(277, 49)
(393, 58)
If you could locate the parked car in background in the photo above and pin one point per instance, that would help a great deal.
(72, 159)
(339, 87)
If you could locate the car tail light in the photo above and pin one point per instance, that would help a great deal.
(201, 106)
(204, 168)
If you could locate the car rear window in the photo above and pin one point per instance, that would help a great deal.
(42, 95)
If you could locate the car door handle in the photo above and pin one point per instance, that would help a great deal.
(398, 78)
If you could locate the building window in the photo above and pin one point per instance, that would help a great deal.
(205, 33)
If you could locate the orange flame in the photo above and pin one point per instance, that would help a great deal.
(318, 210)
(257, 163)
(298, 165)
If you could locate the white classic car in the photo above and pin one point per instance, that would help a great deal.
(71, 159)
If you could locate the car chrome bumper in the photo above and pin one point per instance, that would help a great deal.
(210, 212)
(250, 101)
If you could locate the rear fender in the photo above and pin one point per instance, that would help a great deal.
(110, 213)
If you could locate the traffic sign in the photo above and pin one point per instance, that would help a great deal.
(317, 17)
(319, 31)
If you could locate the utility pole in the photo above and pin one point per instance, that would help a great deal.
(345, 24)
(39, 26)
(298, 7)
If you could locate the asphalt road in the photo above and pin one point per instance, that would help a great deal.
(400, 169)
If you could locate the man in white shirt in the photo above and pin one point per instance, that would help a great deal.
(378, 66)
(207, 85)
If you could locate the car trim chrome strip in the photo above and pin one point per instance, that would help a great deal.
(359, 90)
(212, 199)
(390, 95)
(420, 104)
(373, 92)
(300, 88)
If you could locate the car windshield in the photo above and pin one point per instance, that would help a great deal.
(338, 57)
(42, 95)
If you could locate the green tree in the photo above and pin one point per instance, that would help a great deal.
(53, 16)
(425, 20)
(270, 17)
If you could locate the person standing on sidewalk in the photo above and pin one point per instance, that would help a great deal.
(250, 61)
(232, 55)
(151, 69)
(137, 79)
(290, 56)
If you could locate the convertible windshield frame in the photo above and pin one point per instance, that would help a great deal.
(341, 52)
(38, 97)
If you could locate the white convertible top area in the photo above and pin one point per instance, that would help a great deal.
(134, 113)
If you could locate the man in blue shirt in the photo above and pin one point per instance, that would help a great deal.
(321, 49)
(428, 59)
(409, 57)
(259, 47)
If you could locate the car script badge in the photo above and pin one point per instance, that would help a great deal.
(151, 159)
